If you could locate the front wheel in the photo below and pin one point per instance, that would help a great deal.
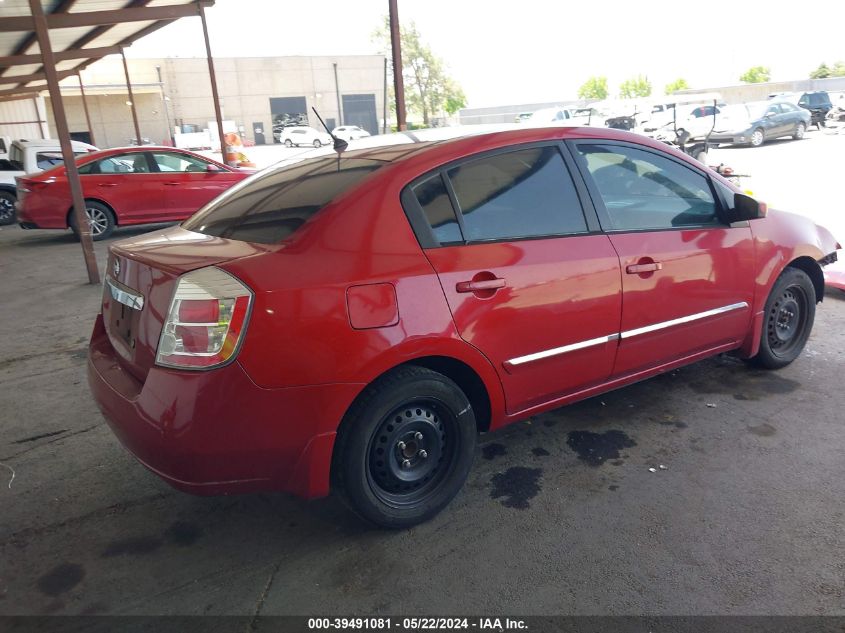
(100, 219)
(799, 132)
(7, 207)
(757, 138)
(288, 142)
(405, 448)
(317, 143)
(788, 319)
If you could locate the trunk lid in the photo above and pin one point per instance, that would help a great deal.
(141, 276)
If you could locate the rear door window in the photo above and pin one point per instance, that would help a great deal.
(271, 205)
(518, 194)
(434, 200)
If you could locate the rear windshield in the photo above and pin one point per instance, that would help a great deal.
(273, 204)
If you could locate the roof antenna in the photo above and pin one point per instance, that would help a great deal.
(339, 143)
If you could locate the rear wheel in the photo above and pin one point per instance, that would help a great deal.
(799, 131)
(757, 137)
(7, 207)
(405, 448)
(789, 315)
(288, 143)
(100, 219)
(317, 143)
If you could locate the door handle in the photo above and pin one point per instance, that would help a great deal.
(107, 184)
(476, 286)
(172, 184)
(638, 269)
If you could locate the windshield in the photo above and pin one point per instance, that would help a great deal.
(271, 205)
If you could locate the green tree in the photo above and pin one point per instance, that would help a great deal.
(639, 86)
(756, 75)
(594, 88)
(429, 90)
(678, 84)
(821, 72)
(838, 70)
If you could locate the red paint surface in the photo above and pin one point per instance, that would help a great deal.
(323, 324)
(141, 198)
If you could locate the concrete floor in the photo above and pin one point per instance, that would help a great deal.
(560, 514)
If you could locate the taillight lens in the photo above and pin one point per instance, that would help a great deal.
(206, 320)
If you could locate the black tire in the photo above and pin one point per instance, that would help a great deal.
(405, 448)
(288, 142)
(101, 218)
(788, 320)
(799, 131)
(758, 137)
(317, 143)
(7, 207)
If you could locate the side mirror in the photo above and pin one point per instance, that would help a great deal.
(746, 208)
(212, 168)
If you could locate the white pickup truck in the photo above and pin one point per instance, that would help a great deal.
(28, 157)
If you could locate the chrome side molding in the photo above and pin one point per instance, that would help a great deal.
(565, 349)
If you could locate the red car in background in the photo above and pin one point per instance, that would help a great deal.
(124, 186)
(354, 320)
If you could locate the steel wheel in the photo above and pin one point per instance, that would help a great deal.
(98, 220)
(411, 451)
(7, 207)
(405, 448)
(757, 138)
(787, 320)
(789, 314)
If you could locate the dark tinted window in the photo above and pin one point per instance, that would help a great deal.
(133, 163)
(642, 190)
(435, 203)
(273, 204)
(525, 193)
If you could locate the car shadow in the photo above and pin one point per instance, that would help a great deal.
(34, 238)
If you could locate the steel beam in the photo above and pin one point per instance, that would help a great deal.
(102, 18)
(214, 93)
(83, 53)
(25, 79)
(131, 100)
(85, 107)
(81, 219)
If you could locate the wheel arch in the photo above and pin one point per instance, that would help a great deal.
(94, 199)
(9, 188)
(814, 272)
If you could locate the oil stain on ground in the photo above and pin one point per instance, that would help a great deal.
(752, 384)
(516, 486)
(763, 430)
(597, 448)
(183, 533)
(136, 546)
(61, 579)
(493, 450)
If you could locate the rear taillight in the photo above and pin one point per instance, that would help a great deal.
(206, 321)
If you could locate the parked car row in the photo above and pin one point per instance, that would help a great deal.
(303, 135)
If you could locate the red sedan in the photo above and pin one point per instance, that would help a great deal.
(125, 186)
(352, 321)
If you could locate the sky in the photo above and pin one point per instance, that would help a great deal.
(504, 53)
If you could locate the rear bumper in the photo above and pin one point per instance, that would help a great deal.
(217, 432)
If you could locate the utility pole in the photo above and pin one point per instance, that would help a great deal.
(398, 84)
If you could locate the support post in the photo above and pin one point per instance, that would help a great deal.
(337, 91)
(38, 115)
(85, 107)
(62, 131)
(398, 83)
(384, 105)
(214, 94)
(131, 99)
